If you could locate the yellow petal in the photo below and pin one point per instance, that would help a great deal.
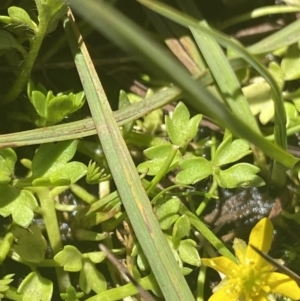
(224, 294)
(260, 237)
(284, 285)
(240, 249)
(221, 264)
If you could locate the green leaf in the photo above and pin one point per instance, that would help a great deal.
(290, 63)
(188, 252)
(181, 129)
(259, 98)
(124, 102)
(292, 116)
(8, 160)
(164, 208)
(157, 155)
(142, 262)
(50, 12)
(30, 243)
(194, 170)
(242, 174)
(38, 100)
(91, 279)
(4, 284)
(95, 257)
(277, 73)
(50, 165)
(7, 41)
(181, 229)
(230, 151)
(18, 203)
(19, 16)
(5, 246)
(52, 109)
(70, 258)
(61, 106)
(36, 288)
(166, 212)
(71, 294)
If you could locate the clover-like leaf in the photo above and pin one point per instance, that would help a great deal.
(70, 258)
(4, 284)
(62, 105)
(71, 294)
(51, 108)
(17, 203)
(19, 16)
(290, 63)
(181, 229)
(36, 288)
(230, 151)
(194, 170)
(50, 165)
(242, 174)
(188, 252)
(91, 279)
(8, 160)
(158, 155)
(259, 97)
(292, 116)
(181, 129)
(167, 208)
(166, 212)
(30, 243)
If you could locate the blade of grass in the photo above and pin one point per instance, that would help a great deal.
(219, 66)
(174, 37)
(287, 36)
(131, 191)
(260, 12)
(278, 170)
(129, 36)
(86, 127)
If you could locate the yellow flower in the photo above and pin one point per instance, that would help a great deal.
(251, 278)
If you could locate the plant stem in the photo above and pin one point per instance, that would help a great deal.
(51, 223)
(23, 76)
(164, 169)
(204, 203)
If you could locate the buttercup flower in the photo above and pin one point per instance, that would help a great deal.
(251, 278)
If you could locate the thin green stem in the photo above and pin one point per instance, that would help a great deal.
(23, 76)
(200, 283)
(204, 203)
(83, 194)
(148, 283)
(207, 233)
(164, 169)
(259, 12)
(51, 223)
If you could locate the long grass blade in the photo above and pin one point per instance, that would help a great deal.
(86, 127)
(130, 37)
(131, 191)
(285, 37)
(219, 66)
(278, 169)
